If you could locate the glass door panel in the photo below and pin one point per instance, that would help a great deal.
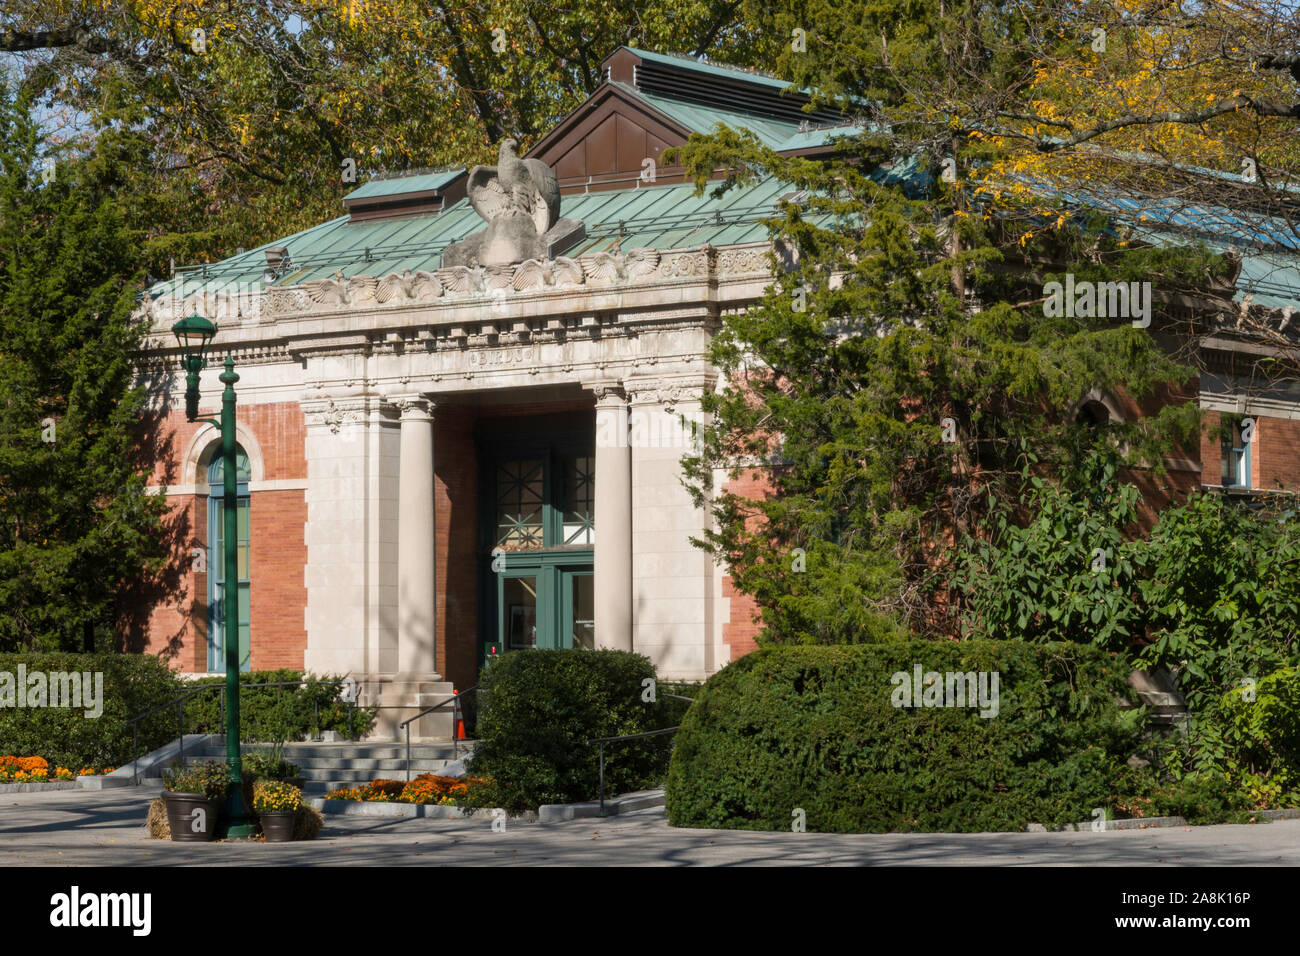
(579, 610)
(518, 613)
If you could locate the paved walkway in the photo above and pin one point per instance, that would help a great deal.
(105, 828)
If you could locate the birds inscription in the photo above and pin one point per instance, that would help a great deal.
(520, 200)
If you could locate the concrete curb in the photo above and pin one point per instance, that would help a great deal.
(368, 808)
(38, 787)
(1137, 823)
(1280, 814)
(560, 812)
(547, 813)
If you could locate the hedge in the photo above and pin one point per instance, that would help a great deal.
(132, 684)
(538, 708)
(816, 729)
(276, 713)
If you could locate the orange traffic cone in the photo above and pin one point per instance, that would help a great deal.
(460, 717)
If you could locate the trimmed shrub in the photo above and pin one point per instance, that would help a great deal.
(817, 729)
(65, 736)
(276, 713)
(539, 708)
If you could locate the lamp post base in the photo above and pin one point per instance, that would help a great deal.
(235, 823)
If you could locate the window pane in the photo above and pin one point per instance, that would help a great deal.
(579, 501)
(217, 470)
(519, 505)
(519, 605)
(584, 608)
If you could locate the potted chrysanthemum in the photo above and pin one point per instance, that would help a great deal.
(276, 804)
(193, 796)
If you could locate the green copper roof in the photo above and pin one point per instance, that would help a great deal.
(406, 184)
(711, 69)
(662, 217)
(772, 133)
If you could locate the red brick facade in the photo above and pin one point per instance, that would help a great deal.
(178, 629)
(1274, 455)
(277, 546)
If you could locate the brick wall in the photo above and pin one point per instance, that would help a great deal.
(177, 625)
(1274, 456)
(741, 629)
(455, 557)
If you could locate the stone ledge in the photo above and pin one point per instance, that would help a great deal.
(365, 808)
(560, 812)
(1137, 823)
(1292, 814)
(38, 787)
(111, 781)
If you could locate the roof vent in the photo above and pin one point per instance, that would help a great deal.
(424, 192)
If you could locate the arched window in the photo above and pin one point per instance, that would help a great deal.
(217, 562)
(1093, 413)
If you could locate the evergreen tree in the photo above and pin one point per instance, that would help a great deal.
(904, 376)
(78, 529)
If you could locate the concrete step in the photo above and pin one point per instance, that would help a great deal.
(318, 788)
(297, 753)
(368, 764)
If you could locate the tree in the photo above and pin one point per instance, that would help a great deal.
(78, 529)
(1188, 111)
(906, 375)
(271, 110)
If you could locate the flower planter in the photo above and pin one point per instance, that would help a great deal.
(192, 817)
(277, 825)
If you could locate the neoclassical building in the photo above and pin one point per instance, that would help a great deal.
(463, 404)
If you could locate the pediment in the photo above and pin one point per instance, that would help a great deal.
(604, 143)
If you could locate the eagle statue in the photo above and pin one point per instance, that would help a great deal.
(520, 200)
(515, 185)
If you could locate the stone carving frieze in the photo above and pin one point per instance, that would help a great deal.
(335, 413)
(743, 262)
(600, 270)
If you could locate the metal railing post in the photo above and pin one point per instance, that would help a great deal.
(408, 752)
(135, 766)
(602, 778)
(455, 720)
(180, 736)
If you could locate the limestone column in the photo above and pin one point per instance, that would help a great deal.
(613, 552)
(416, 650)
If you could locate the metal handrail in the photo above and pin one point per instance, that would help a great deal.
(179, 701)
(604, 740)
(649, 733)
(454, 700)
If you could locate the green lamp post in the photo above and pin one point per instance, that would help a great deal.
(194, 333)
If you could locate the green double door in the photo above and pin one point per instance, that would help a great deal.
(537, 533)
(545, 602)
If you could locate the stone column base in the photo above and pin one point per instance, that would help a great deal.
(399, 697)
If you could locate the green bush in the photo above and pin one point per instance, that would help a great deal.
(276, 713)
(815, 728)
(132, 684)
(537, 709)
